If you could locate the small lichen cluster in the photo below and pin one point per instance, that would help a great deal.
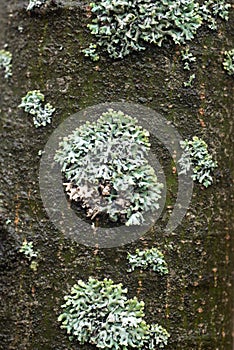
(29, 252)
(196, 150)
(91, 52)
(106, 166)
(35, 3)
(187, 58)
(121, 26)
(228, 62)
(190, 80)
(99, 313)
(151, 259)
(32, 103)
(5, 63)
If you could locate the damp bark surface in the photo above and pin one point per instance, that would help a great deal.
(194, 302)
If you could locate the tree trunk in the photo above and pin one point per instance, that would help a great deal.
(194, 302)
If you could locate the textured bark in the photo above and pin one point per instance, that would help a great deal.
(195, 301)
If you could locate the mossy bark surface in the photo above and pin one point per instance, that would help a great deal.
(194, 302)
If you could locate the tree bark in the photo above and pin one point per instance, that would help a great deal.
(195, 301)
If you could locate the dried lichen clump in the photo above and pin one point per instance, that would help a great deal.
(121, 26)
(5, 63)
(228, 62)
(99, 313)
(148, 259)
(107, 171)
(202, 163)
(32, 103)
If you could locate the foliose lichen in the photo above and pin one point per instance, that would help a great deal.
(121, 26)
(91, 52)
(210, 10)
(35, 3)
(201, 161)
(106, 166)
(228, 62)
(187, 58)
(29, 252)
(5, 63)
(32, 103)
(190, 80)
(99, 313)
(148, 259)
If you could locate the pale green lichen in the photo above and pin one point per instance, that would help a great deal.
(211, 9)
(29, 252)
(151, 259)
(99, 313)
(5, 63)
(202, 163)
(91, 52)
(107, 170)
(228, 62)
(121, 26)
(187, 58)
(34, 4)
(190, 80)
(32, 103)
